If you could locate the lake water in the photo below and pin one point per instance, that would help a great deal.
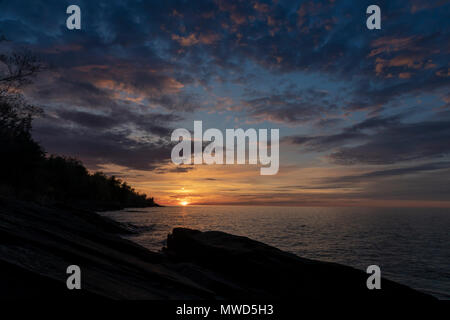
(411, 245)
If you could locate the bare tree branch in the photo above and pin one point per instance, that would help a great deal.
(19, 68)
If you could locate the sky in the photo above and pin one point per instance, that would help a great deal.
(364, 115)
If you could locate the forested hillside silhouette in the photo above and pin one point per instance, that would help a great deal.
(27, 172)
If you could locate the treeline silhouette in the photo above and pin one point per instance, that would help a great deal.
(26, 172)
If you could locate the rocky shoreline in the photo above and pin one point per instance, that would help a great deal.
(39, 242)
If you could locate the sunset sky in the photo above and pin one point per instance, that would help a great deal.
(364, 115)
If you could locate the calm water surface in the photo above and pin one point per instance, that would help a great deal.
(412, 246)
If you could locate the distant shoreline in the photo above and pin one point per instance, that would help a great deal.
(118, 207)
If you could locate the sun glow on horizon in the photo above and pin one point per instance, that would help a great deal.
(184, 203)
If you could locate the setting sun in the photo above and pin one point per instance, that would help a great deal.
(184, 203)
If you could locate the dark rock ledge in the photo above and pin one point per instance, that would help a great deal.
(38, 243)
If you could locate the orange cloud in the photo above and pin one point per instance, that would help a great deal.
(399, 61)
(238, 18)
(390, 44)
(194, 39)
(443, 73)
(404, 75)
(261, 7)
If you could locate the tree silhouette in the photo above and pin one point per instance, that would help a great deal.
(25, 170)
(20, 155)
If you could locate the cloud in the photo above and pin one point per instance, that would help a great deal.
(290, 106)
(194, 39)
(405, 142)
(96, 148)
(390, 173)
(136, 69)
(174, 169)
(382, 141)
(151, 123)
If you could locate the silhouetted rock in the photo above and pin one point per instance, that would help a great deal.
(38, 243)
(238, 267)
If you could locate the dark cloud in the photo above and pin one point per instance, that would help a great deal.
(291, 106)
(382, 141)
(96, 148)
(122, 137)
(177, 169)
(404, 142)
(390, 173)
(151, 123)
(87, 119)
(323, 143)
(330, 122)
